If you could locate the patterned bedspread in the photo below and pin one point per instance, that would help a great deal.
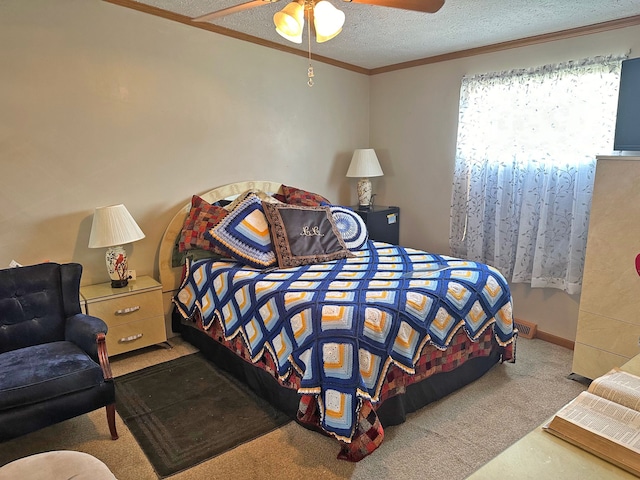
(342, 324)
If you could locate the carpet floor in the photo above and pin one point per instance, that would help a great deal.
(186, 410)
(448, 439)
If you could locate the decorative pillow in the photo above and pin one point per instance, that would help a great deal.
(264, 196)
(202, 217)
(351, 226)
(296, 196)
(245, 234)
(178, 259)
(304, 235)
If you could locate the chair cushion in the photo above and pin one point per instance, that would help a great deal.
(35, 374)
(31, 306)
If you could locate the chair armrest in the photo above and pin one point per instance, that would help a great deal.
(101, 341)
(83, 330)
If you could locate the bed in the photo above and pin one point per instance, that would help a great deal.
(344, 334)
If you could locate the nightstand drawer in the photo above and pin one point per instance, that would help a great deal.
(129, 308)
(142, 333)
(134, 314)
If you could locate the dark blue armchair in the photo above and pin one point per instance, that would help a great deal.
(53, 358)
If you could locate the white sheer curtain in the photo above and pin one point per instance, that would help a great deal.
(525, 162)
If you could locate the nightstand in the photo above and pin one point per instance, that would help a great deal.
(383, 223)
(134, 314)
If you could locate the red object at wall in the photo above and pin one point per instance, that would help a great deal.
(638, 263)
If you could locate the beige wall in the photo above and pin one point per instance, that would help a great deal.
(100, 104)
(414, 116)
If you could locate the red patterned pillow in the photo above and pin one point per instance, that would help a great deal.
(201, 218)
(296, 196)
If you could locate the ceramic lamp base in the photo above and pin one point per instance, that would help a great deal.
(364, 192)
(117, 266)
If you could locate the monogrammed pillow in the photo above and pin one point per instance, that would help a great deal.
(304, 235)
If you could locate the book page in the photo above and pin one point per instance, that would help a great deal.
(605, 418)
(618, 386)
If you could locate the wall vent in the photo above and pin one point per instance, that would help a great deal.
(526, 329)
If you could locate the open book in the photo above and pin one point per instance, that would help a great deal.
(605, 420)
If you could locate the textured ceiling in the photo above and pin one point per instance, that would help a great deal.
(375, 37)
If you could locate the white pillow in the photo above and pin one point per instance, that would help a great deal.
(351, 227)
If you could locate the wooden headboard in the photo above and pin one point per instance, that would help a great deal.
(170, 277)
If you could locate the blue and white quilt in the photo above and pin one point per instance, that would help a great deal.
(342, 324)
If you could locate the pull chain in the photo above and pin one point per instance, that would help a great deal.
(310, 69)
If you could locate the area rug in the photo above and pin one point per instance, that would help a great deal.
(185, 411)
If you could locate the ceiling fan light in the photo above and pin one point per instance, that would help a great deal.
(327, 20)
(292, 38)
(323, 38)
(289, 21)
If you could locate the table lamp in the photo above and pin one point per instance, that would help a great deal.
(112, 227)
(364, 164)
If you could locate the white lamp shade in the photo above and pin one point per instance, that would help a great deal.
(364, 163)
(289, 22)
(327, 20)
(113, 225)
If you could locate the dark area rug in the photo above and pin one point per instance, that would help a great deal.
(185, 411)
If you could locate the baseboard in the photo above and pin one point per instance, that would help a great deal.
(563, 342)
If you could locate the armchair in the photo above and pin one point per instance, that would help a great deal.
(53, 358)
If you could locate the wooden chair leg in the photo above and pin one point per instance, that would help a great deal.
(111, 420)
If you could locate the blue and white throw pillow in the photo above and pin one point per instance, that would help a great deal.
(351, 227)
(245, 234)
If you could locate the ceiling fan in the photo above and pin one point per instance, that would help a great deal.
(324, 19)
(425, 6)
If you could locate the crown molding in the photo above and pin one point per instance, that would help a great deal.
(497, 47)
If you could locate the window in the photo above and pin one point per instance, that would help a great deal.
(525, 162)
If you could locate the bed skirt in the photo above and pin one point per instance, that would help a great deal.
(392, 411)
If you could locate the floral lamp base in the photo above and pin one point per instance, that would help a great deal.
(117, 266)
(364, 192)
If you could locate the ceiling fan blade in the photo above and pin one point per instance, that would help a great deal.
(426, 6)
(234, 9)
